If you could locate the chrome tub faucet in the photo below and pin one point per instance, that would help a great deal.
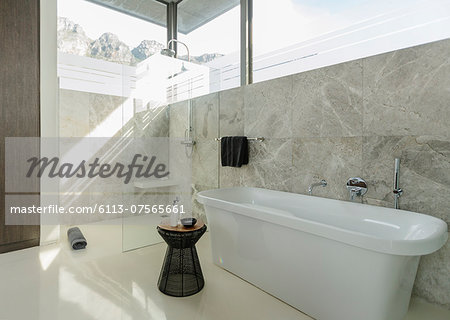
(357, 187)
(322, 183)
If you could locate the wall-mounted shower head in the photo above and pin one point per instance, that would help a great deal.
(171, 53)
(168, 52)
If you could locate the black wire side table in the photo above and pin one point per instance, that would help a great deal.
(181, 274)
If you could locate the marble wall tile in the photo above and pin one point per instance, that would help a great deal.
(334, 159)
(178, 113)
(377, 202)
(268, 109)
(328, 101)
(151, 123)
(424, 194)
(270, 165)
(206, 116)
(105, 115)
(231, 177)
(424, 168)
(231, 115)
(426, 178)
(231, 123)
(406, 92)
(73, 113)
(378, 164)
(205, 158)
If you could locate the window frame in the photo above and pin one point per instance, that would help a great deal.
(246, 39)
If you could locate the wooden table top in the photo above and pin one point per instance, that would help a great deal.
(181, 228)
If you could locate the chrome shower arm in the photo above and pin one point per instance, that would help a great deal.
(184, 44)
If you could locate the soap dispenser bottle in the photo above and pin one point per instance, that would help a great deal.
(174, 215)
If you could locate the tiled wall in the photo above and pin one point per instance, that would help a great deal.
(84, 114)
(338, 122)
(205, 165)
(81, 113)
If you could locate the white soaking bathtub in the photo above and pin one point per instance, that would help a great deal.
(333, 260)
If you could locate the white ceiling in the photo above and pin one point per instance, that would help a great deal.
(192, 14)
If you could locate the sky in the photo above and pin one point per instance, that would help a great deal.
(221, 35)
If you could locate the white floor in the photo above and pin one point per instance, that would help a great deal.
(101, 282)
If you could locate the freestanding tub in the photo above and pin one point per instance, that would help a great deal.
(333, 260)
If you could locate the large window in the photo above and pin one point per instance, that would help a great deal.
(292, 36)
(215, 44)
(109, 66)
(289, 36)
(91, 30)
(113, 86)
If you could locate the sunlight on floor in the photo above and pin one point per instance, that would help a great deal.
(101, 282)
(47, 256)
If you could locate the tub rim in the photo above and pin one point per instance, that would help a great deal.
(406, 247)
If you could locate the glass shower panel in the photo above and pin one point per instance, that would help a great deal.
(91, 99)
(152, 200)
(113, 94)
(146, 125)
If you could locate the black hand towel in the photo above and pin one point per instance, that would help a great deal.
(234, 151)
(76, 239)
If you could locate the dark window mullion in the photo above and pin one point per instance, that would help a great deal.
(246, 42)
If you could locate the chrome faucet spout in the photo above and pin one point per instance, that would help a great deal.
(322, 183)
